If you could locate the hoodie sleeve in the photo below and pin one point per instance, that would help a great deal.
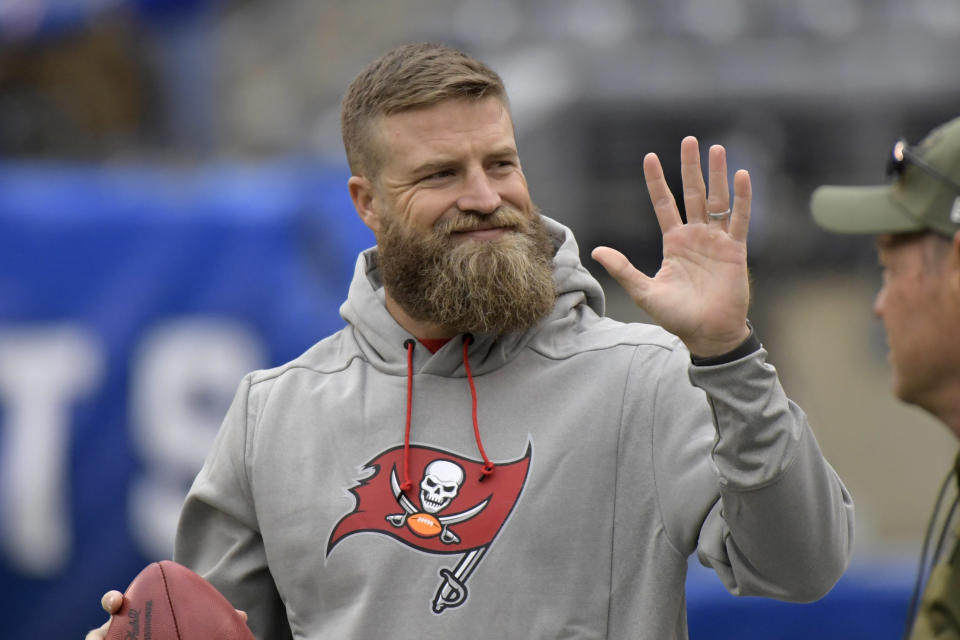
(218, 535)
(774, 518)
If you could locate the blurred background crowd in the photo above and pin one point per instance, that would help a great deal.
(223, 116)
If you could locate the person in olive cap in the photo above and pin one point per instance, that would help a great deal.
(916, 221)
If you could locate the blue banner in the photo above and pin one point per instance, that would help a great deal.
(132, 301)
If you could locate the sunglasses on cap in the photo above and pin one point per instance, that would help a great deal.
(901, 154)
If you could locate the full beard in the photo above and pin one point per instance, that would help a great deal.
(491, 287)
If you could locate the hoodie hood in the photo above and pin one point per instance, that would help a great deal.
(381, 338)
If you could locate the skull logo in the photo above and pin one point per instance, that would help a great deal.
(441, 484)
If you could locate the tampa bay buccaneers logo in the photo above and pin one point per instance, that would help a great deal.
(452, 509)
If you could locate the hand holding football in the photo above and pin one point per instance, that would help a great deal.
(167, 601)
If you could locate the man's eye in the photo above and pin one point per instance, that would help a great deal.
(439, 175)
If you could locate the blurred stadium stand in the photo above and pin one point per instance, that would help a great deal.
(173, 214)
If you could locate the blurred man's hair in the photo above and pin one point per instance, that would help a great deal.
(408, 77)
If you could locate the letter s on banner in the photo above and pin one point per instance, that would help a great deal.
(184, 375)
(43, 371)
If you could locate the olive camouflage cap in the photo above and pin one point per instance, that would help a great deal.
(924, 196)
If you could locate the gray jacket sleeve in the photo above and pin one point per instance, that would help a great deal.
(218, 534)
(769, 515)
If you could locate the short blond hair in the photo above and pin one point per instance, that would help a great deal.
(408, 77)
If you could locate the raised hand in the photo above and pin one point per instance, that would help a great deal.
(701, 292)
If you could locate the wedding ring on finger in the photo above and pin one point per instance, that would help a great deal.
(720, 216)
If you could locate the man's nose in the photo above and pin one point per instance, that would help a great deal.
(479, 194)
(878, 302)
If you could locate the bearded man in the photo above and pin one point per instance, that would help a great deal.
(480, 451)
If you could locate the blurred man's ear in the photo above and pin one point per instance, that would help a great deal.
(363, 194)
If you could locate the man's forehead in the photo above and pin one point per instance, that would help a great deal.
(448, 122)
(917, 245)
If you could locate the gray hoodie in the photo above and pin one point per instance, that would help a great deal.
(614, 459)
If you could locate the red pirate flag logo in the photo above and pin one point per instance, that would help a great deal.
(451, 509)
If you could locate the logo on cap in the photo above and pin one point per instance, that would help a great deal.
(955, 211)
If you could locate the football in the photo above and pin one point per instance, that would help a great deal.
(167, 601)
(424, 525)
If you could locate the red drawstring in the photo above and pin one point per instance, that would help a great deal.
(407, 485)
(487, 465)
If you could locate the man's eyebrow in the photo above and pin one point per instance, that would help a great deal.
(504, 152)
(430, 166)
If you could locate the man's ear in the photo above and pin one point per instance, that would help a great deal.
(363, 195)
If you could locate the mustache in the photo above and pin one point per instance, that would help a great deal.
(504, 216)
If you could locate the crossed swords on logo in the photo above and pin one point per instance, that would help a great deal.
(452, 591)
